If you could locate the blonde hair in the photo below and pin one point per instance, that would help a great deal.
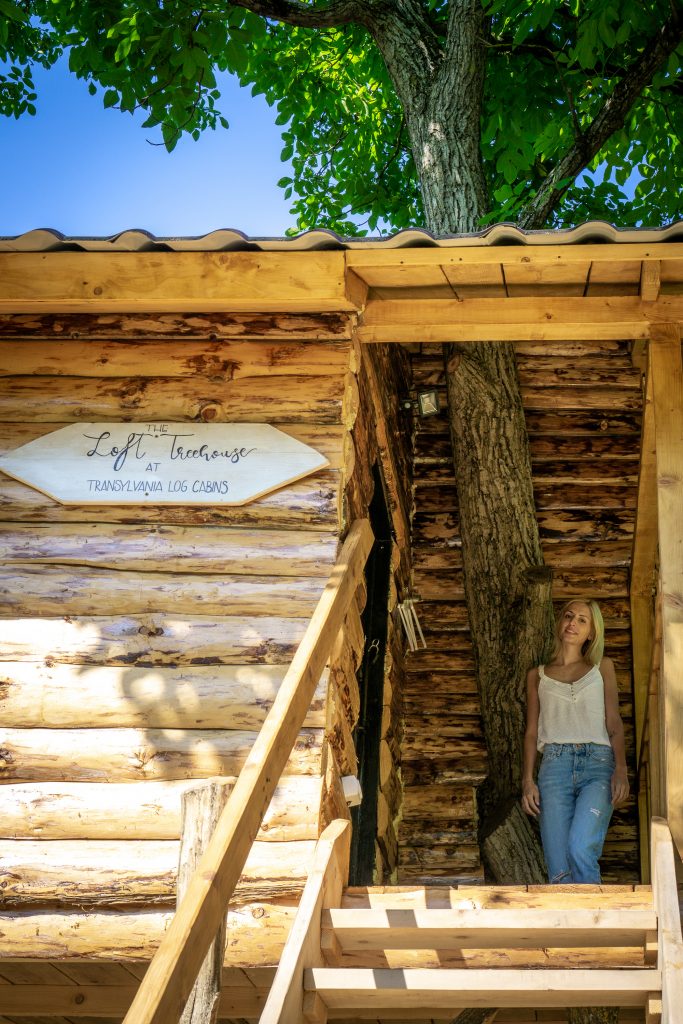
(594, 647)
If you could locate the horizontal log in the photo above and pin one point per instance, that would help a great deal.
(309, 503)
(431, 449)
(582, 472)
(600, 582)
(558, 422)
(149, 810)
(453, 771)
(249, 400)
(176, 327)
(34, 696)
(154, 639)
(328, 439)
(438, 803)
(450, 660)
(548, 372)
(433, 533)
(618, 399)
(256, 934)
(47, 590)
(567, 496)
(438, 860)
(135, 755)
(133, 873)
(216, 360)
(178, 548)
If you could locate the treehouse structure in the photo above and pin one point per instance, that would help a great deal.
(165, 648)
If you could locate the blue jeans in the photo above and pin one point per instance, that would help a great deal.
(574, 781)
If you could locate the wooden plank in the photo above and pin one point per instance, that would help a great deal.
(562, 897)
(138, 755)
(667, 378)
(182, 548)
(669, 939)
(529, 254)
(364, 990)
(650, 280)
(521, 319)
(323, 889)
(79, 810)
(172, 972)
(181, 327)
(95, 282)
(172, 357)
(644, 582)
(35, 696)
(452, 929)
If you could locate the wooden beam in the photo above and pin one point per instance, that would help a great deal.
(523, 319)
(650, 280)
(665, 895)
(303, 947)
(529, 255)
(643, 588)
(172, 282)
(173, 970)
(667, 379)
(364, 990)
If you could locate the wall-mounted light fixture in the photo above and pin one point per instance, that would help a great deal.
(428, 403)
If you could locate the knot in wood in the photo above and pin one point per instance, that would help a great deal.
(209, 412)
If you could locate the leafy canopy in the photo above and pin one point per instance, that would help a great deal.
(551, 64)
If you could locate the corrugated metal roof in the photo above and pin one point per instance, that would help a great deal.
(232, 240)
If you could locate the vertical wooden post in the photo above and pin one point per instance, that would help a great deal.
(643, 583)
(201, 809)
(667, 382)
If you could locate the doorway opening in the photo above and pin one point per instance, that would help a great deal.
(370, 675)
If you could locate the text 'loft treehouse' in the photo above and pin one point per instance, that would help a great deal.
(161, 657)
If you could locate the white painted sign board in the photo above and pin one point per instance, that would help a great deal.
(161, 463)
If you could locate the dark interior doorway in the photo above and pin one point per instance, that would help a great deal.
(371, 685)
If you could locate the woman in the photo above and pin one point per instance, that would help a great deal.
(573, 718)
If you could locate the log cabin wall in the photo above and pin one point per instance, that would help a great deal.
(142, 647)
(583, 404)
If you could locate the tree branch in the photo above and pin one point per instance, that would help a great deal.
(609, 120)
(293, 12)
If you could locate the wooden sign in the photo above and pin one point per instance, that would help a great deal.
(161, 463)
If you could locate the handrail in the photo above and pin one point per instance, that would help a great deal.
(669, 940)
(168, 981)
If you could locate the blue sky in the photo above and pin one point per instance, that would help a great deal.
(84, 170)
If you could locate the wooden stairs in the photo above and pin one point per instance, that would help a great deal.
(424, 954)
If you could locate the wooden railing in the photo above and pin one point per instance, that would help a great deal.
(669, 942)
(168, 982)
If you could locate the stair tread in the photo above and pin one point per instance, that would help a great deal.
(558, 897)
(452, 928)
(449, 988)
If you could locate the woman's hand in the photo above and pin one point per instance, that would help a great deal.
(531, 798)
(619, 787)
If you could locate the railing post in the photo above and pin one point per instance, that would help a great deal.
(667, 385)
(670, 944)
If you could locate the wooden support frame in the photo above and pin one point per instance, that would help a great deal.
(167, 984)
(303, 947)
(670, 942)
(667, 381)
(643, 588)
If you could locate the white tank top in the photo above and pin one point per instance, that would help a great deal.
(572, 712)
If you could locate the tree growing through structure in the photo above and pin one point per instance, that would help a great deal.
(445, 113)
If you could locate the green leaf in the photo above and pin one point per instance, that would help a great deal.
(111, 98)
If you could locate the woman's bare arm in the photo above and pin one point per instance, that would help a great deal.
(531, 799)
(615, 731)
